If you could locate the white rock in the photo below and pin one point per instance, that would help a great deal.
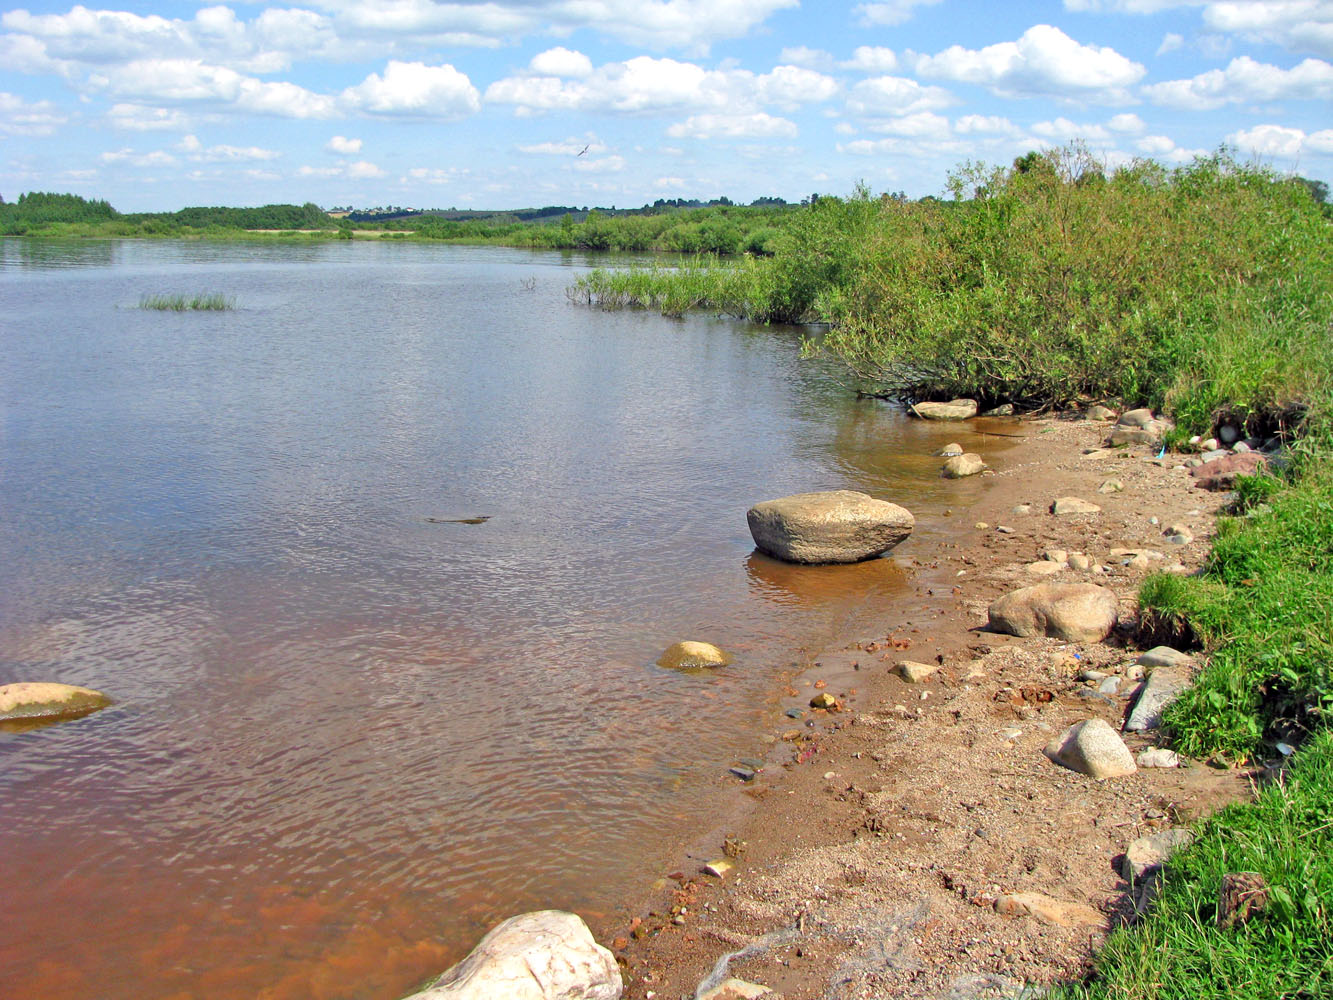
(1158, 757)
(1136, 418)
(838, 526)
(1073, 505)
(547, 955)
(1111, 486)
(1164, 656)
(1078, 561)
(1055, 555)
(1092, 747)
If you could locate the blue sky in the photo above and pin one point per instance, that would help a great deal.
(155, 105)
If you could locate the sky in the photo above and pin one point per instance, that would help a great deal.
(156, 105)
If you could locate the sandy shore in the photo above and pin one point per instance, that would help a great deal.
(870, 849)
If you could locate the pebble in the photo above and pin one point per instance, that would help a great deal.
(1078, 561)
(1111, 486)
(1004, 529)
(913, 672)
(1011, 733)
(794, 713)
(718, 868)
(1209, 444)
(1228, 434)
(744, 773)
(1159, 757)
(1023, 508)
(1164, 656)
(825, 701)
(982, 525)
(1240, 448)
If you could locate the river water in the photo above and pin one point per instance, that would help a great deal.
(349, 735)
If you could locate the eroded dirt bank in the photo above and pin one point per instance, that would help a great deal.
(875, 840)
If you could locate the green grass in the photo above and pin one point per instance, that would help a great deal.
(208, 302)
(1283, 953)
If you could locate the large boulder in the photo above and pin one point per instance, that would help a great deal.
(689, 655)
(955, 409)
(840, 526)
(547, 955)
(42, 700)
(1075, 612)
(1093, 748)
(1221, 474)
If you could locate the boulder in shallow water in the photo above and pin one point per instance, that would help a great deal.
(1075, 612)
(547, 955)
(42, 700)
(955, 409)
(962, 466)
(690, 655)
(839, 526)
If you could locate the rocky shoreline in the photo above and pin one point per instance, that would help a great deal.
(916, 837)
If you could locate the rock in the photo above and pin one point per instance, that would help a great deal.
(1078, 561)
(1134, 672)
(950, 450)
(1139, 561)
(45, 700)
(1210, 444)
(1221, 474)
(1110, 685)
(1023, 508)
(1111, 486)
(691, 655)
(961, 466)
(1159, 757)
(1055, 555)
(840, 526)
(825, 701)
(913, 672)
(1179, 534)
(1216, 455)
(1073, 505)
(1142, 417)
(1228, 434)
(1241, 448)
(1193, 463)
(1087, 674)
(1149, 853)
(1164, 656)
(1049, 910)
(1151, 435)
(1165, 685)
(1075, 612)
(1099, 412)
(547, 955)
(735, 989)
(957, 409)
(1003, 410)
(718, 868)
(1092, 747)
(744, 773)
(1044, 567)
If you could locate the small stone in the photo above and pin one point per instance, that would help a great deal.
(1149, 853)
(1111, 486)
(950, 450)
(1139, 561)
(1222, 473)
(915, 673)
(1154, 521)
(1078, 561)
(1209, 444)
(962, 466)
(1011, 733)
(1049, 910)
(1088, 674)
(1165, 685)
(1004, 529)
(718, 868)
(794, 713)
(825, 701)
(736, 989)
(1216, 455)
(1092, 747)
(1159, 757)
(1240, 448)
(1179, 534)
(1055, 555)
(690, 655)
(1193, 463)
(1110, 685)
(1135, 672)
(1023, 508)
(744, 773)
(1044, 567)
(981, 526)
(1073, 505)
(1099, 412)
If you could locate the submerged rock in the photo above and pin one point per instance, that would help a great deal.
(1093, 748)
(1075, 612)
(961, 466)
(45, 700)
(839, 526)
(690, 655)
(547, 955)
(950, 450)
(956, 409)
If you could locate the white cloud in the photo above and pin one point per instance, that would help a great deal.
(1281, 140)
(1245, 80)
(1062, 130)
(1299, 25)
(645, 85)
(890, 12)
(1130, 123)
(897, 95)
(182, 81)
(157, 158)
(1170, 42)
(567, 147)
(669, 183)
(1043, 61)
(138, 118)
(415, 89)
(561, 62)
(752, 126)
(800, 55)
(20, 117)
(343, 146)
(844, 128)
(197, 151)
(872, 59)
(923, 124)
(607, 164)
(360, 170)
(1154, 145)
(985, 124)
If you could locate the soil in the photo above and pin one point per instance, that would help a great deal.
(876, 839)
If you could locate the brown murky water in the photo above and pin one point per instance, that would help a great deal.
(350, 734)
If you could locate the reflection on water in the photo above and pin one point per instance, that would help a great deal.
(347, 739)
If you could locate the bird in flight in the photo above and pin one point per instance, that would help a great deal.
(584, 150)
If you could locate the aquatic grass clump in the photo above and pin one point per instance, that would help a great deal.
(209, 302)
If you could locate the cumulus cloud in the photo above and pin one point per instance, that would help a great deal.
(1170, 42)
(801, 55)
(567, 147)
(157, 158)
(1246, 80)
(197, 151)
(985, 124)
(415, 89)
(1281, 140)
(896, 95)
(923, 124)
(752, 126)
(360, 170)
(1299, 25)
(1044, 61)
(890, 12)
(1129, 123)
(1063, 130)
(343, 146)
(138, 118)
(183, 81)
(561, 62)
(20, 117)
(646, 84)
(607, 164)
(872, 59)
